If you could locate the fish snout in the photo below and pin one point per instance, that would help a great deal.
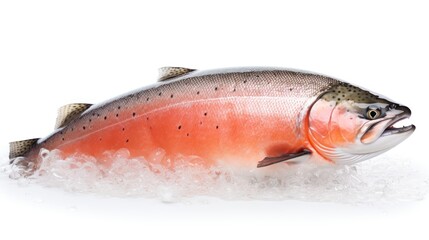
(406, 112)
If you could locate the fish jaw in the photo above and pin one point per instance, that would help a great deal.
(385, 127)
(341, 129)
(383, 135)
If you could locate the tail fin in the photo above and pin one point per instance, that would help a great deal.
(20, 148)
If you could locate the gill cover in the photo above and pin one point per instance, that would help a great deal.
(348, 124)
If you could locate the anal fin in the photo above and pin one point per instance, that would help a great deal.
(295, 157)
(20, 148)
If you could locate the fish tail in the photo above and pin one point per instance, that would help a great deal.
(21, 148)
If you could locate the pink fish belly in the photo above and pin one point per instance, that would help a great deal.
(238, 131)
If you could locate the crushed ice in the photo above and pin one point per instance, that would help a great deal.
(380, 179)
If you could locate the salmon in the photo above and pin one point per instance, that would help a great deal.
(245, 117)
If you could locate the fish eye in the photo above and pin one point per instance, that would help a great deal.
(373, 113)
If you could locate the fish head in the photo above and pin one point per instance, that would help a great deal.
(348, 124)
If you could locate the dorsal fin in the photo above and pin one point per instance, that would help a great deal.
(172, 72)
(69, 112)
(20, 148)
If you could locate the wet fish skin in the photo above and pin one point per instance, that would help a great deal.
(236, 117)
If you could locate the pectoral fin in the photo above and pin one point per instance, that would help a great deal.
(295, 157)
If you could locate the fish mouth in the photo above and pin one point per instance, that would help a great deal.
(397, 130)
(389, 127)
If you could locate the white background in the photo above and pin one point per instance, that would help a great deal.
(57, 52)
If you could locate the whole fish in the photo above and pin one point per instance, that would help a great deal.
(242, 117)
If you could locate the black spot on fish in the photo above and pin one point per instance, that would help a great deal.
(179, 127)
(217, 127)
(234, 90)
(98, 115)
(216, 88)
(171, 96)
(119, 107)
(99, 139)
(147, 118)
(90, 120)
(201, 123)
(134, 114)
(198, 93)
(160, 93)
(245, 81)
(123, 129)
(187, 134)
(338, 99)
(290, 89)
(62, 139)
(83, 127)
(127, 141)
(205, 114)
(105, 117)
(61, 132)
(72, 129)
(117, 115)
(147, 99)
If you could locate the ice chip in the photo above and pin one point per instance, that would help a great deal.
(172, 179)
